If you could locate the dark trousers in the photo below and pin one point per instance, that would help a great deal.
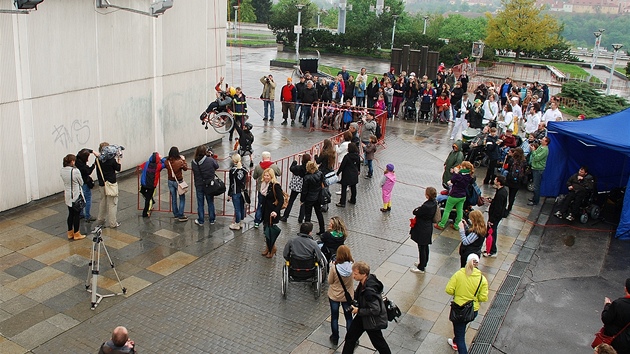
(573, 201)
(356, 330)
(492, 165)
(148, 194)
(353, 193)
(73, 220)
(512, 190)
(495, 235)
(308, 209)
(287, 211)
(423, 252)
(288, 109)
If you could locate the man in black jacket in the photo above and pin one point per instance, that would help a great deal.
(119, 343)
(616, 319)
(580, 186)
(370, 311)
(496, 212)
(309, 97)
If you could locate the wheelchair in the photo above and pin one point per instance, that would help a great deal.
(587, 208)
(411, 110)
(303, 271)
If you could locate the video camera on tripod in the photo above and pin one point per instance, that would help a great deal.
(112, 151)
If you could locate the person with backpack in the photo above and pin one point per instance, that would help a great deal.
(149, 179)
(461, 178)
(515, 166)
(203, 168)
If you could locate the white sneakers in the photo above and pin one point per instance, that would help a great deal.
(235, 226)
(452, 344)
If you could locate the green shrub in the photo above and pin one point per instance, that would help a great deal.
(595, 103)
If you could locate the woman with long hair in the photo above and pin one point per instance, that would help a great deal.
(238, 179)
(273, 199)
(73, 184)
(340, 273)
(465, 285)
(176, 165)
(472, 234)
(349, 169)
(422, 232)
(334, 237)
(460, 179)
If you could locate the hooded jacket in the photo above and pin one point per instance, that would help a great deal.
(204, 170)
(372, 310)
(454, 158)
(311, 187)
(335, 289)
(150, 177)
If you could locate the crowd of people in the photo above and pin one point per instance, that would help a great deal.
(498, 113)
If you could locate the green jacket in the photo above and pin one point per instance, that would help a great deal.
(454, 158)
(539, 158)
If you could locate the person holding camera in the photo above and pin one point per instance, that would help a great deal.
(370, 311)
(72, 183)
(203, 167)
(176, 165)
(82, 164)
(268, 95)
(108, 164)
(119, 343)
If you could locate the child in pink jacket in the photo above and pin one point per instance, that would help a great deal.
(387, 185)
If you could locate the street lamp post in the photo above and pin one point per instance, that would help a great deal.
(598, 38)
(616, 47)
(424, 30)
(298, 31)
(319, 13)
(393, 31)
(235, 19)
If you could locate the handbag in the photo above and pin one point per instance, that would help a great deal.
(295, 184)
(78, 204)
(285, 196)
(331, 178)
(393, 311)
(324, 196)
(466, 312)
(438, 215)
(214, 187)
(245, 195)
(601, 337)
(111, 189)
(182, 187)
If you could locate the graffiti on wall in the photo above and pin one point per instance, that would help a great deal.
(78, 132)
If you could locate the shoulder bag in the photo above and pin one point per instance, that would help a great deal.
(182, 187)
(214, 187)
(284, 194)
(343, 285)
(78, 204)
(111, 189)
(601, 337)
(466, 312)
(437, 217)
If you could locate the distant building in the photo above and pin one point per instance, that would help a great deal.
(610, 7)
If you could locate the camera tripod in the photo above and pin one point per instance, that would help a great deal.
(94, 269)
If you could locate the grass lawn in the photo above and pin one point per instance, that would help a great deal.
(246, 42)
(253, 35)
(332, 71)
(571, 70)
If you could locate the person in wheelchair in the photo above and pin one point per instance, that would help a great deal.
(334, 237)
(474, 149)
(224, 99)
(580, 185)
(303, 246)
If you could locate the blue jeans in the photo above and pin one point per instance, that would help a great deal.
(459, 332)
(258, 216)
(178, 212)
(334, 316)
(239, 207)
(306, 113)
(87, 193)
(537, 174)
(269, 103)
(370, 168)
(200, 204)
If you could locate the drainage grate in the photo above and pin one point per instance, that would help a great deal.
(480, 348)
(510, 283)
(525, 255)
(518, 269)
(499, 305)
(488, 330)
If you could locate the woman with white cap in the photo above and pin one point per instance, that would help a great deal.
(467, 284)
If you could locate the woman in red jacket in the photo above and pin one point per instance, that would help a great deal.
(443, 105)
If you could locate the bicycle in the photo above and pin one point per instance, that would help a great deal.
(221, 122)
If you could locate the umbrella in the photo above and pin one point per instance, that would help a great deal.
(271, 235)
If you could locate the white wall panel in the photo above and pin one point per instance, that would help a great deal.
(80, 75)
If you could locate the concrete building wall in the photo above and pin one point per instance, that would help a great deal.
(72, 76)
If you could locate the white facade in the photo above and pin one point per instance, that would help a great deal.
(72, 76)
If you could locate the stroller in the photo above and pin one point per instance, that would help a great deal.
(410, 109)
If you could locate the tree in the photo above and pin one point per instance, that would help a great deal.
(263, 10)
(628, 69)
(245, 12)
(521, 26)
(460, 27)
(284, 16)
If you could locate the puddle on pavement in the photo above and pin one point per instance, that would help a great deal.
(569, 240)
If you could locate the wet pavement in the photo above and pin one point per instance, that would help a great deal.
(208, 290)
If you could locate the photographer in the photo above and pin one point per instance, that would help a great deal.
(268, 95)
(82, 164)
(176, 164)
(119, 343)
(204, 166)
(108, 163)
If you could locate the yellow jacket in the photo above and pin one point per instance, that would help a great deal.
(463, 287)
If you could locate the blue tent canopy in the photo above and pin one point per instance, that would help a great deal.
(602, 144)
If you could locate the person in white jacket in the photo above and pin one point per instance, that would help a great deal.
(490, 111)
(532, 119)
